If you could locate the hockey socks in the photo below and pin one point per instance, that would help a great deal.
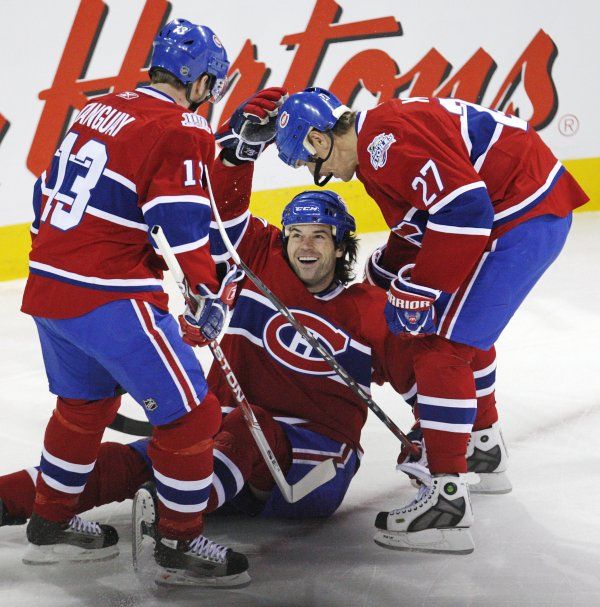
(71, 446)
(237, 459)
(182, 458)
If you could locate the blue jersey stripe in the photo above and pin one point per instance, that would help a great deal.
(182, 222)
(471, 209)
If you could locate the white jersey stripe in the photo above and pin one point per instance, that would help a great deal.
(94, 280)
(469, 231)
(174, 200)
(495, 136)
(120, 179)
(517, 207)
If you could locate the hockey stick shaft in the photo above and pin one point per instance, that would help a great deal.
(321, 473)
(303, 331)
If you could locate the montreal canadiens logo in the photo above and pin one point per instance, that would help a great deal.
(290, 349)
(284, 119)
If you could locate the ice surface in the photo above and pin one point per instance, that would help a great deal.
(537, 546)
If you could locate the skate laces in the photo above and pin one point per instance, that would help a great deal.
(81, 526)
(423, 495)
(208, 549)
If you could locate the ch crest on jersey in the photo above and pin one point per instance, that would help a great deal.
(196, 121)
(378, 149)
(290, 349)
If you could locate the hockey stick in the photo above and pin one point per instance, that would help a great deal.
(125, 424)
(316, 344)
(321, 473)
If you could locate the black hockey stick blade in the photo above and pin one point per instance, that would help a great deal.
(126, 425)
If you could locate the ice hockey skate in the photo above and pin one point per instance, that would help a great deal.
(75, 541)
(198, 562)
(487, 461)
(487, 458)
(437, 520)
(7, 519)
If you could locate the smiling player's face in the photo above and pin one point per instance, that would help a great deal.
(312, 253)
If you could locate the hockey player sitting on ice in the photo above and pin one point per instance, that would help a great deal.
(489, 207)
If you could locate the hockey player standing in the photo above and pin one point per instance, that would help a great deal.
(131, 160)
(490, 208)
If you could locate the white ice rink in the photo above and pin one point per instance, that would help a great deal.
(537, 546)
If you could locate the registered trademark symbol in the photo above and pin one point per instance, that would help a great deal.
(568, 125)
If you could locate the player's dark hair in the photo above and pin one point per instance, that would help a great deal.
(345, 123)
(344, 265)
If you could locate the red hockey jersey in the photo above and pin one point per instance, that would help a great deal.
(451, 176)
(130, 161)
(277, 367)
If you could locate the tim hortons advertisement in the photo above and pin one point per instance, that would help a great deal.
(532, 59)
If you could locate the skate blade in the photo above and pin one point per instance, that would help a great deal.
(492, 483)
(64, 553)
(179, 577)
(457, 540)
(143, 517)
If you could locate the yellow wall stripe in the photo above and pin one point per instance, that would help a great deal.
(15, 241)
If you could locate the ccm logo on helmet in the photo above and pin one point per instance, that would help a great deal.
(217, 41)
(309, 209)
(284, 119)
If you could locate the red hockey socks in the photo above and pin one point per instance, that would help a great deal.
(117, 475)
(182, 458)
(484, 371)
(71, 446)
(237, 459)
(446, 399)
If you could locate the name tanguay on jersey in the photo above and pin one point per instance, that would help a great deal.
(103, 118)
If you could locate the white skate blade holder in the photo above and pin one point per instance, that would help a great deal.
(65, 553)
(455, 540)
(179, 577)
(491, 483)
(142, 545)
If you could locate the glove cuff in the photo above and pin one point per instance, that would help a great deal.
(229, 155)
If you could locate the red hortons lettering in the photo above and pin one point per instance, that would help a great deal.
(371, 69)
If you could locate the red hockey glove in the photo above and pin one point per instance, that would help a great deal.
(206, 323)
(251, 127)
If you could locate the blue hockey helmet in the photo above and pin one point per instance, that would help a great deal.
(187, 51)
(313, 108)
(322, 207)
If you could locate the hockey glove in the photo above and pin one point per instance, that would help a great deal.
(409, 308)
(205, 323)
(375, 274)
(251, 128)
